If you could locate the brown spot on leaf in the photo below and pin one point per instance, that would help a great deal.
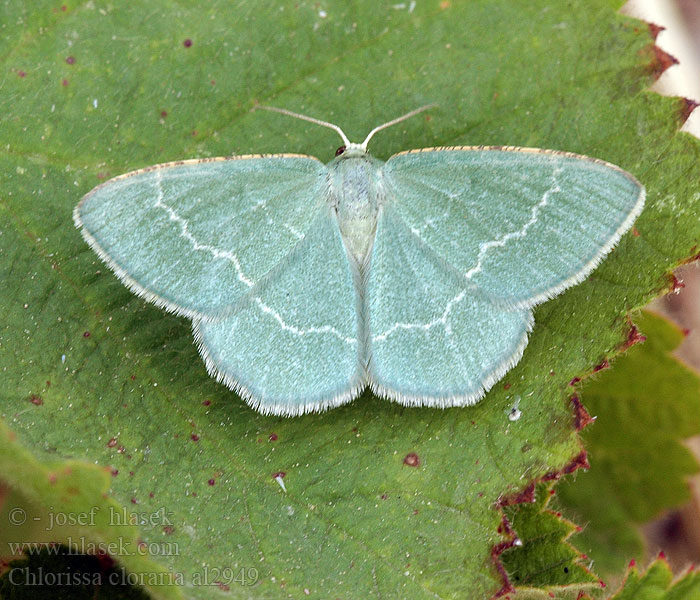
(676, 284)
(411, 460)
(633, 336)
(660, 61)
(579, 462)
(581, 416)
(496, 551)
(655, 30)
(687, 107)
(525, 495)
(602, 365)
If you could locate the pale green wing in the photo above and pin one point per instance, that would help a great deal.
(294, 344)
(522, 224)
(435, 340)
(195, 236)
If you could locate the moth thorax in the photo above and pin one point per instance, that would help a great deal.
(357, 193)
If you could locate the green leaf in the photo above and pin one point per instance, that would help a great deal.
(540, 557)
(656, 583)
(646, 405)
(94, 89)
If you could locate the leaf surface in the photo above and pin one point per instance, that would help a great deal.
(92, 90)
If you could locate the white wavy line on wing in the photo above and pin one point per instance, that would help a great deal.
(185, 233)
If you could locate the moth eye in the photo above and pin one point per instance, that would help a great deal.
(340, 150)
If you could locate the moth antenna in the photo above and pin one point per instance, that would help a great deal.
(289, 113)
(408, 115)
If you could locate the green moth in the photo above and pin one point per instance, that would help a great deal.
(307, 283)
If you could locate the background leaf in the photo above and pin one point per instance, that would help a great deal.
(65, 503)
(90, 90)
(657, 583)
(646, 405)
(541, 559)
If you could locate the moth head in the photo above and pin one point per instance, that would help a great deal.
(351, 150)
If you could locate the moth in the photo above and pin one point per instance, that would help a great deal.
(308, 282)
